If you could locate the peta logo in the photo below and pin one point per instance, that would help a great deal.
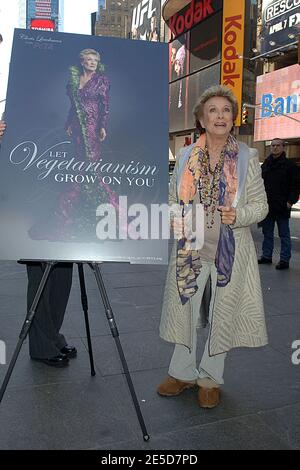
(296, 353)
(2, 353)
(139, 12)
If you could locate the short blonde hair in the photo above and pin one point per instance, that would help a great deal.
(216, 90)
(85, 52)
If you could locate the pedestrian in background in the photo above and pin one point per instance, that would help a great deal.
(281, 179)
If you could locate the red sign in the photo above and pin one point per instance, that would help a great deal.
(42, 24)
(194, 13)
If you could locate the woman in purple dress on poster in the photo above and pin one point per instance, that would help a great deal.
(88, 90)
(86, 125)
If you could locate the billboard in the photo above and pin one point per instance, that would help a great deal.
(145, 23)
(84, 161)
(194, 13)
(45, 12)
(278, 104)
(280, 23)
(179, 57)
(233, 49)
(42, 24)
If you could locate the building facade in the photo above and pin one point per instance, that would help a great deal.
(114, 18)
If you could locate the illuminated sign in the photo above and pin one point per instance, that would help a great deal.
(280, 23)
(191, 15)
(42, 24)
(276, 9)
(145, 24)
(233, 49)
(278, 104)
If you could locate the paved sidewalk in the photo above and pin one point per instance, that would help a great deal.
(48, 408)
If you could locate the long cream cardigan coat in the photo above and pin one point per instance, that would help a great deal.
(238, 313)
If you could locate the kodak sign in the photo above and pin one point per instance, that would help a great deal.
(194, 13)
(233, 49)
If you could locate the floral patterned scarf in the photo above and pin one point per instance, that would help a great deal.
(188, 264)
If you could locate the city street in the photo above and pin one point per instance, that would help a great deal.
(48, 408)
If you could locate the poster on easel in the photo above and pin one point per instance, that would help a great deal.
(84, 160)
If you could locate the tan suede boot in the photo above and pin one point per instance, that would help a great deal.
(209, 393)
(172, 387)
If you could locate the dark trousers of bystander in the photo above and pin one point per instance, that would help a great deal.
(45, 339)
(268, 226)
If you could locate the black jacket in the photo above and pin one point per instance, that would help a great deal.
(282, 184)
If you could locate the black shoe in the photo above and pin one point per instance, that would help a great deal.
(57, 361)
(264, 260)
(283, 265)
(69, 351)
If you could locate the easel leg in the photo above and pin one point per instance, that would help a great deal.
(114, 331)
(84, 303)
(26, 326)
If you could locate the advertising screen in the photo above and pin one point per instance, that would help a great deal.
(42, 24)
(192, 14)
(178, 105)
(145, 22)
(179, 57)
(280, 23)
(278, 104)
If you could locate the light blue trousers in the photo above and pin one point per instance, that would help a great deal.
(183, 362)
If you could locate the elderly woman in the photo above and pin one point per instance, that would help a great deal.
(218, 283)
(88, 90)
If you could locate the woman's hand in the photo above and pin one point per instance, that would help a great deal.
(102, 134)
(228, 215)
(182, 227)
(2, 128)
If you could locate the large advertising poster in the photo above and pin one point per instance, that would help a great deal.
(277, 111)
(280, 23)
(84, 161)
(145, 24)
